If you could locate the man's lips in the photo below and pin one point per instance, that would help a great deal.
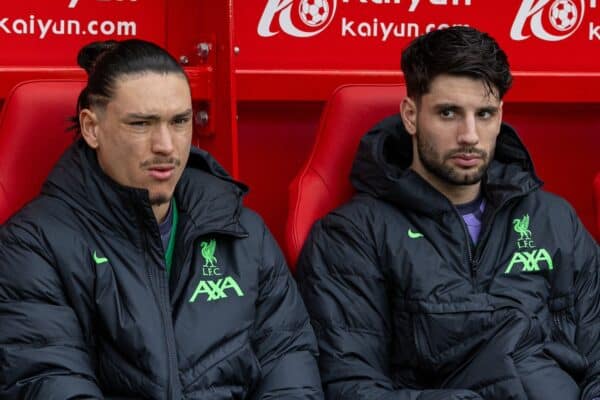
(466, 160)
(161, 172)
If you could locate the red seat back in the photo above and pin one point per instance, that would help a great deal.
(597, 199)
(33, 136)
(324, 181)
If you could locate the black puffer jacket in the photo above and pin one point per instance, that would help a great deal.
(405, 307)
(87, 309)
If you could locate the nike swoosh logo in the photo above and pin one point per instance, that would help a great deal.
(414, 235)
(99, 260)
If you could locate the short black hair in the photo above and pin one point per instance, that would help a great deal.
(107, 61)
(457, 51)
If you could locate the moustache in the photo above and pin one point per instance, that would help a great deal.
(467, 150)
(161, 161)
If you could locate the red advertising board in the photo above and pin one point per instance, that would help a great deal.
(49, 33)
(538, 35)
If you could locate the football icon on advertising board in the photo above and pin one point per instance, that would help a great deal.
(314, 12)
(563, 15)
(549, 20)
(299, 18)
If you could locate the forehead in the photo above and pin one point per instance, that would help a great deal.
(150, 93)
(460, 91)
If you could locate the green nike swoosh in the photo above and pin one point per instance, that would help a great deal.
(414, 235)
(99, 260)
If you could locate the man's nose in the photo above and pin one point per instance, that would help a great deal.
(162, 140)
(468, 131)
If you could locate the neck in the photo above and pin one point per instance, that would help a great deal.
(160, 211)
(460, 194)
(457, 194)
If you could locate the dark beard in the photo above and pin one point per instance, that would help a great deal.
(430, 161)
(158, 200)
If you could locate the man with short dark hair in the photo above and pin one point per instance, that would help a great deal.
(451, 274)
(138, 273)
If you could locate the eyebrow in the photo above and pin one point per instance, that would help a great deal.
(446, 106)
(156, 117)
(454, 107)
(186, 113)
(490, 109)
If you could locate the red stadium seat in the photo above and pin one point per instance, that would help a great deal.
(323, 182)
(597, 198)
(33, 135)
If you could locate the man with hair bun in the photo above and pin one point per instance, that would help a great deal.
(137, 273)
(451, 275)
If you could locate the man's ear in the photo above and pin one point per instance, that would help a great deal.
(88, 121)
(408, 113)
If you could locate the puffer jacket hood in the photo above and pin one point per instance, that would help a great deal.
(381, 169)
(120, 208)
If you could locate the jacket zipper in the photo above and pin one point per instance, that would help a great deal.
(475, 259)
(169, 333)
(166, 321)
(469, 255)
(484, 235)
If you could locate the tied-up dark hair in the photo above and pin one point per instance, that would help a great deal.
(457, 51)
(106, 62)
(87, 59)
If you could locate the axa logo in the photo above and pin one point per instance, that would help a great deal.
(550, 20)
(531, 259)
(299, 18)
(216, 290)
(74, 3)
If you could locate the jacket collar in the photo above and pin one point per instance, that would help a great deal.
(205, 194)
(381, 169)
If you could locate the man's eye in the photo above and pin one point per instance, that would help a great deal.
(447, 113)
(485, 115)
(181, 121)
(139, 124)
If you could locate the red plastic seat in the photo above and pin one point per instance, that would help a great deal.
(33, 135)
(324, 181)
(597, 199)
